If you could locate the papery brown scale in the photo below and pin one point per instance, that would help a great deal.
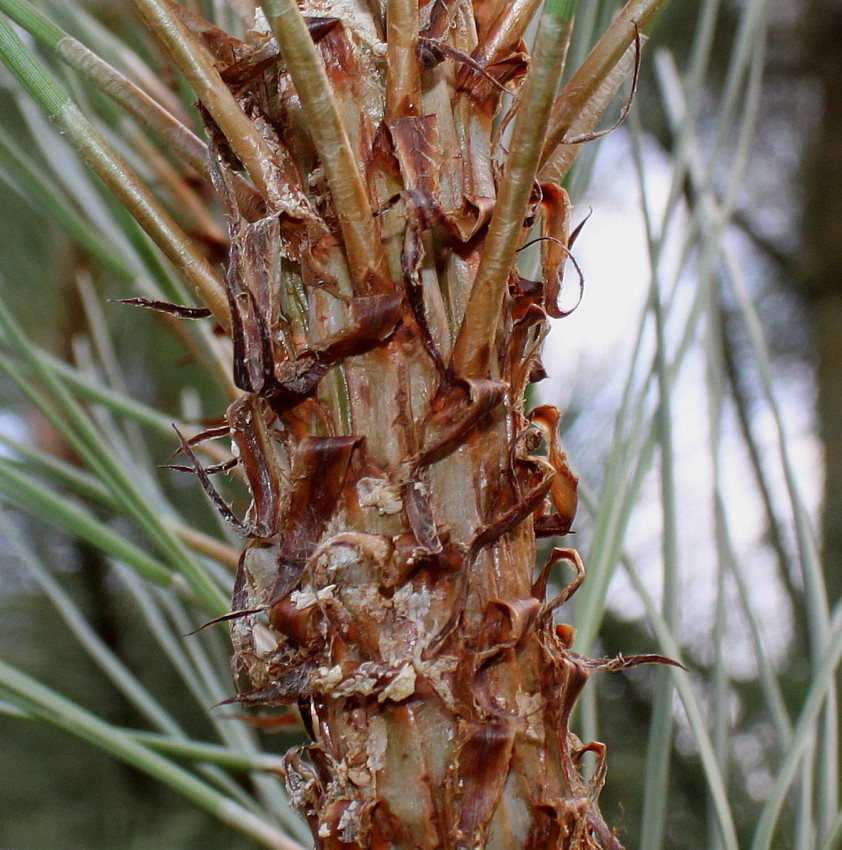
(224, 48)
(373, 318)
(299, 625)
(563, 488)
(252, 68)
(317, 479)
(284, 689)
(177, 310)
(225, 466)
(303, 785)
(207, 485)
(555, 228)
(387, 831)
(506, 622)
(539, 588)
(416, 145)
(242, 64)
(546, 828)
(597, 780)
(535, 479)
(477, 782)
(257, 455)
(456, 409)
(439, 17)
(411, 269)
(527, 335)
(502, 23)
(486, 83)
(420, 515)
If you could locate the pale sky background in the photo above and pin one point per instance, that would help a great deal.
(587, 357)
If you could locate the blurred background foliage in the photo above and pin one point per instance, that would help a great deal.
(58, 792)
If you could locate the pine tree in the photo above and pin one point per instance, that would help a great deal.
(383, 340)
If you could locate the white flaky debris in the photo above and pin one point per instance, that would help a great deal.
(401, 687)
(413, 603)
(334, 556)
(260, 23)
(360, 777)
(308, 597)
(355, 15)
(529, 708)
(328, 676)
(377, 741)
(350, 553)
(439, 674)
(264, 640)
(302, 599)
(363, 680)
(349, 821)
(380, 494)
